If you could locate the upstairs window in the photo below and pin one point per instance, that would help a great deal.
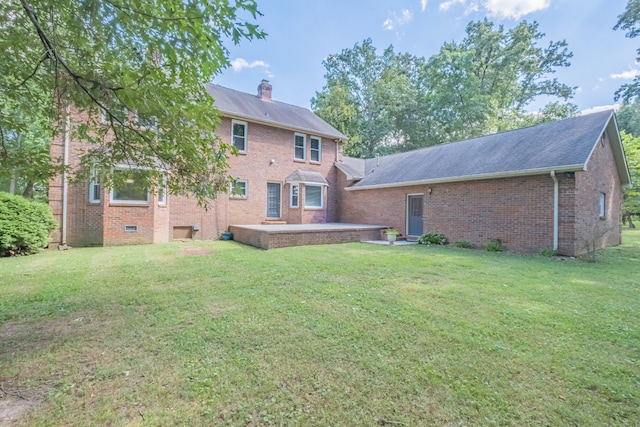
(147, 121)
(316, 149)
(239, 135)
(299, 147)
(95, 191)
(162, 192)
(118, 113)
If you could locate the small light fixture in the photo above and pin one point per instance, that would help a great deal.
(272, 161)
(429, 190)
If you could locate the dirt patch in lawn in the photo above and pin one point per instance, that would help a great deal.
(195, 251)
(14, 403)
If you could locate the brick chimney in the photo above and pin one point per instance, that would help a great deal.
(264, 90)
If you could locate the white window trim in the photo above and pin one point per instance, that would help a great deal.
(246, 190)
(311, 150)
(304, 147)
(105, 119)
(291, 205)
(128, 202)
(162, 192)
(602, 201)
(246, 135)
(94, 181)
(306, 186)
(136, 120)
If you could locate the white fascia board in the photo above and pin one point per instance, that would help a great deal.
(515, 174)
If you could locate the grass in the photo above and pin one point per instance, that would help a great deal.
(216, 333)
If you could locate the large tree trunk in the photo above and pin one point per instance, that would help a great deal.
(631, 224)
(28, 191)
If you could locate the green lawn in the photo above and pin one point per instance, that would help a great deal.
(341, 335)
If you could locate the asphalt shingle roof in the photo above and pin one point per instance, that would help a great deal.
(562, 146)
(306, 177)
(249, 107)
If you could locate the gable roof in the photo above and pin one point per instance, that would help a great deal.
(561, 146)
(244, 106)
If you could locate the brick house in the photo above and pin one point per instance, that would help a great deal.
(284, 169)
(555, 185)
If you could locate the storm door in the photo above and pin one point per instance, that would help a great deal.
(273, 200)
(414, 215)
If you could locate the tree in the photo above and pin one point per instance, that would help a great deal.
(370, 98)
(397, 102)
(483, 84)
(630, 22)
(628, 118)
(631, 204)
(112, 61)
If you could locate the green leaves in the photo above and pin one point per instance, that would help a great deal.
(396, 102)
(104, 57)
(630, 22)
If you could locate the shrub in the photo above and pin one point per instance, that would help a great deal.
(495, 245)
(546, 252)
(25, 226)
(432, 239)
(464, 244)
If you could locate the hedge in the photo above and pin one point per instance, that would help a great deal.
(25, 226)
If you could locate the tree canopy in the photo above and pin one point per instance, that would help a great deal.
(135, 70)
(630, 22)
(396, 102)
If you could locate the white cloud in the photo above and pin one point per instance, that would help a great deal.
(514, 9)
(423, 5)
(446, 5)
(598, 108)
(239, 63)
(626, 75)
(396, 21)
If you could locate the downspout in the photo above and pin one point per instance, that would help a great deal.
(555, 210)
(65, 186)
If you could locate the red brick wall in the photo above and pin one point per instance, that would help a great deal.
(518, 211)
(103, 223)
(269, 158)
(601, 176)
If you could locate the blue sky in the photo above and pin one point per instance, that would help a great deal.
(301, 33)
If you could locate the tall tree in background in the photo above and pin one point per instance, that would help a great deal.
(630, 22)
(111, 59)
(631, 204)
(483, 84)
(396, 102)
(368, 96)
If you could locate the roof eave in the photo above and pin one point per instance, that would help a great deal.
(279, 125)
(510, 174)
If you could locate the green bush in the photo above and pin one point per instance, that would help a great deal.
(432, 239)
(464, 244)
(25, 226)
(547, 252)
(495, 245)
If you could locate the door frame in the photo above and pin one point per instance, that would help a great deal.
(407, 211)
(279, 184)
